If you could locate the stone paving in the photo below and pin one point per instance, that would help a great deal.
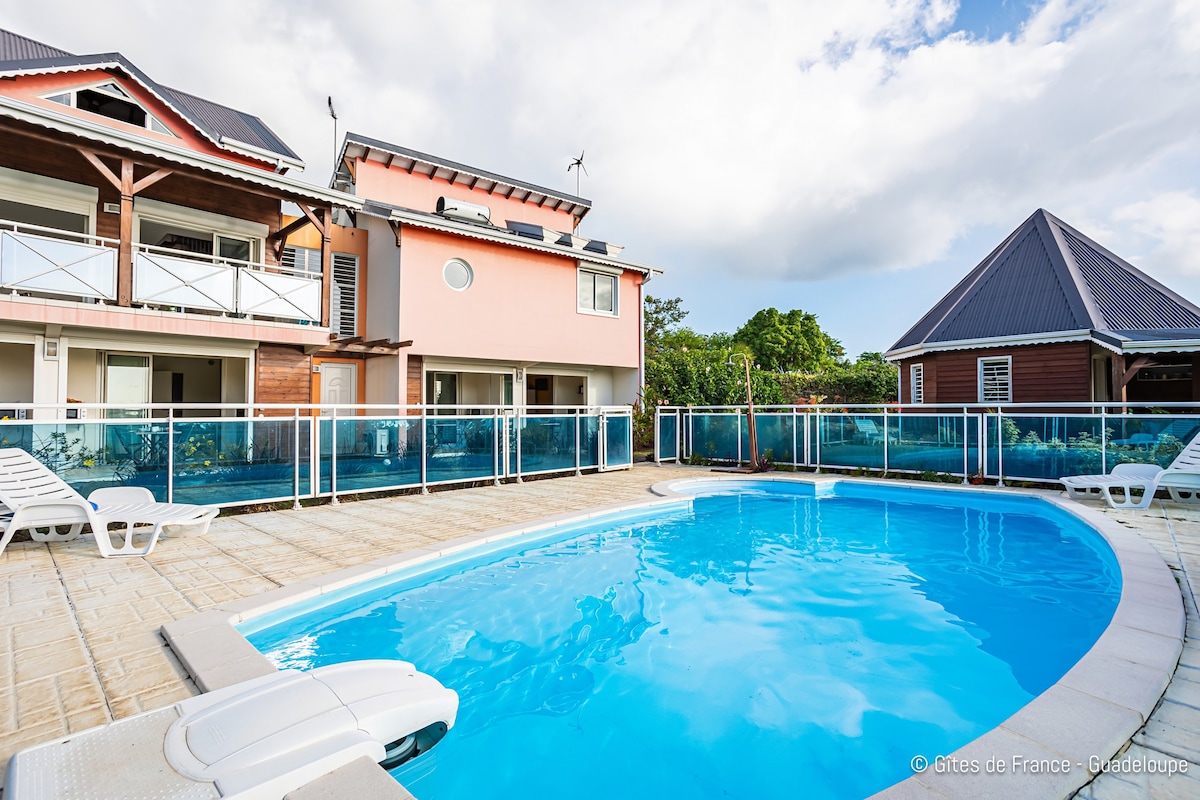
(80, 642)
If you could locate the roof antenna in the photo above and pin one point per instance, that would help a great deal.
(333, 114)
(577, 165)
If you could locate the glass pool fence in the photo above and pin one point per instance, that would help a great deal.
(238, 454)
(1028, 442)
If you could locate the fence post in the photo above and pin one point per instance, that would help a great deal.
(296, 458)
(795, 439)
(424, 452)
(966, 447)
(691, 441)
(579, 472)
(171, 455)
(1000, 446)
(496, 439)
(885, 441)
(332, 455)
(517, 425)
(657, 455)
(817, 438)
(1103, 441)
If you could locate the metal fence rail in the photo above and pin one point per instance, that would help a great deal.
(1022, 442)
(228, 454)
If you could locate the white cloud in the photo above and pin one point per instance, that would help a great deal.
(809, 139)
(1171, 222)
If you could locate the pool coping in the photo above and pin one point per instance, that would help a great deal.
(1091, 712)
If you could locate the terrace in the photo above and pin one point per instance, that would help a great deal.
(85, 646)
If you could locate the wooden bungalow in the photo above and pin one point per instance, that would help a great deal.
(1052, 316)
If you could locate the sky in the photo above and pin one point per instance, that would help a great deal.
(851, 159)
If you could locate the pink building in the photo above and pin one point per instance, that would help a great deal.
(502, 303)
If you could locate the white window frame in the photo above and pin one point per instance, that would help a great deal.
(916, 383)
(202, 222)
(985, 361)
(73, 93)
(308, 253)
(52, 193)
(596, 269)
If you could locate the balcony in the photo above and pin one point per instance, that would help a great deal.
(48, 262)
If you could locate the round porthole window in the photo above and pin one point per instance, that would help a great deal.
(457, 274)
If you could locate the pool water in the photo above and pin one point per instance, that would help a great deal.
(761, 642)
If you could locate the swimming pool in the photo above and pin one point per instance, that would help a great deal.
(763, 641)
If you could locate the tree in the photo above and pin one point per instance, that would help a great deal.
(791, 342)
(659, 317)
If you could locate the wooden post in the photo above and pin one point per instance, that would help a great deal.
(326, 266)
(125, 249)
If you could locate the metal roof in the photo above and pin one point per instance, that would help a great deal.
(226, 127)
(1047, 277)
(461, 173)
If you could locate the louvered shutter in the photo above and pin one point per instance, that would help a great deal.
(301, 259)
(995, 380)
(343, 300)
(917, 374)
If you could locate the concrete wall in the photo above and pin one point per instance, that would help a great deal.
(522, 306)
(16, 373)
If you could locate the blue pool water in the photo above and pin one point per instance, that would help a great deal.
(760, 643)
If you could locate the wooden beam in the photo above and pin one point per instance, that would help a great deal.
(312, 217)
(411, 167)
(395, 226)
(280, 236)
(326, 261)
(471, 185)
(1119, 389)
(352, 165)
(387, 164)
(453, 177)
(125, 248)
(542, 202)
(1132, 370)
(151, 179)
(510, 191)
(100, 166)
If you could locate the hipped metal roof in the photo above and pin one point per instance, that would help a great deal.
(1048, 282)
(226, 127)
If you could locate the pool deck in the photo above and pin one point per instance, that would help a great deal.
(82, 634)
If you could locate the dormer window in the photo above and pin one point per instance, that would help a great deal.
(110, 100)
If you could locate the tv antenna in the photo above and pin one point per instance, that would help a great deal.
(577, 165)
(333, 114)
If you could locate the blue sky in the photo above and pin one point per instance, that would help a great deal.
(853, 159)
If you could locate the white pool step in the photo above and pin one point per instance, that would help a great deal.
(257, 740)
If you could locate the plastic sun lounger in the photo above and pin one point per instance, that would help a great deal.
(1181, 479)
(34, 498)
(256, 740)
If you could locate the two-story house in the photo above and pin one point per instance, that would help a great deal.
(484, 281)
(142, 243)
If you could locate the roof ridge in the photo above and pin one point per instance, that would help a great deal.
(1064, 262)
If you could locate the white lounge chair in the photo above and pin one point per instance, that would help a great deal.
(1181, 479)
(34, 498)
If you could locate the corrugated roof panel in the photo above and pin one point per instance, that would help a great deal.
(1019, 294)
(213, 119)
(15, 47)
(1124, 298)
(221, 120)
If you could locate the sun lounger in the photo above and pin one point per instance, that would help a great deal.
(35, 499)
(1181, 479)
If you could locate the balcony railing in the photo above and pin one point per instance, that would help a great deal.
(39, 260)
(236, 456)
(197, 282)
(1040, 443)
(57, 263)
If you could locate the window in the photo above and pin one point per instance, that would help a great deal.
(917, 383)
(597, 292)
(458, 274)
(201, 233)
(343, 300)
(301, 259)
(109, 100)
(995, 380)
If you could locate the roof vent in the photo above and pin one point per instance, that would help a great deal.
(461, 209)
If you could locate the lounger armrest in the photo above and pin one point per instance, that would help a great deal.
(46, 513)
(1179, 479)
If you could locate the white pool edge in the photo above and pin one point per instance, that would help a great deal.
(1091, 713)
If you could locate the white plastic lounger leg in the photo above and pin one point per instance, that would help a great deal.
(101, 530)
